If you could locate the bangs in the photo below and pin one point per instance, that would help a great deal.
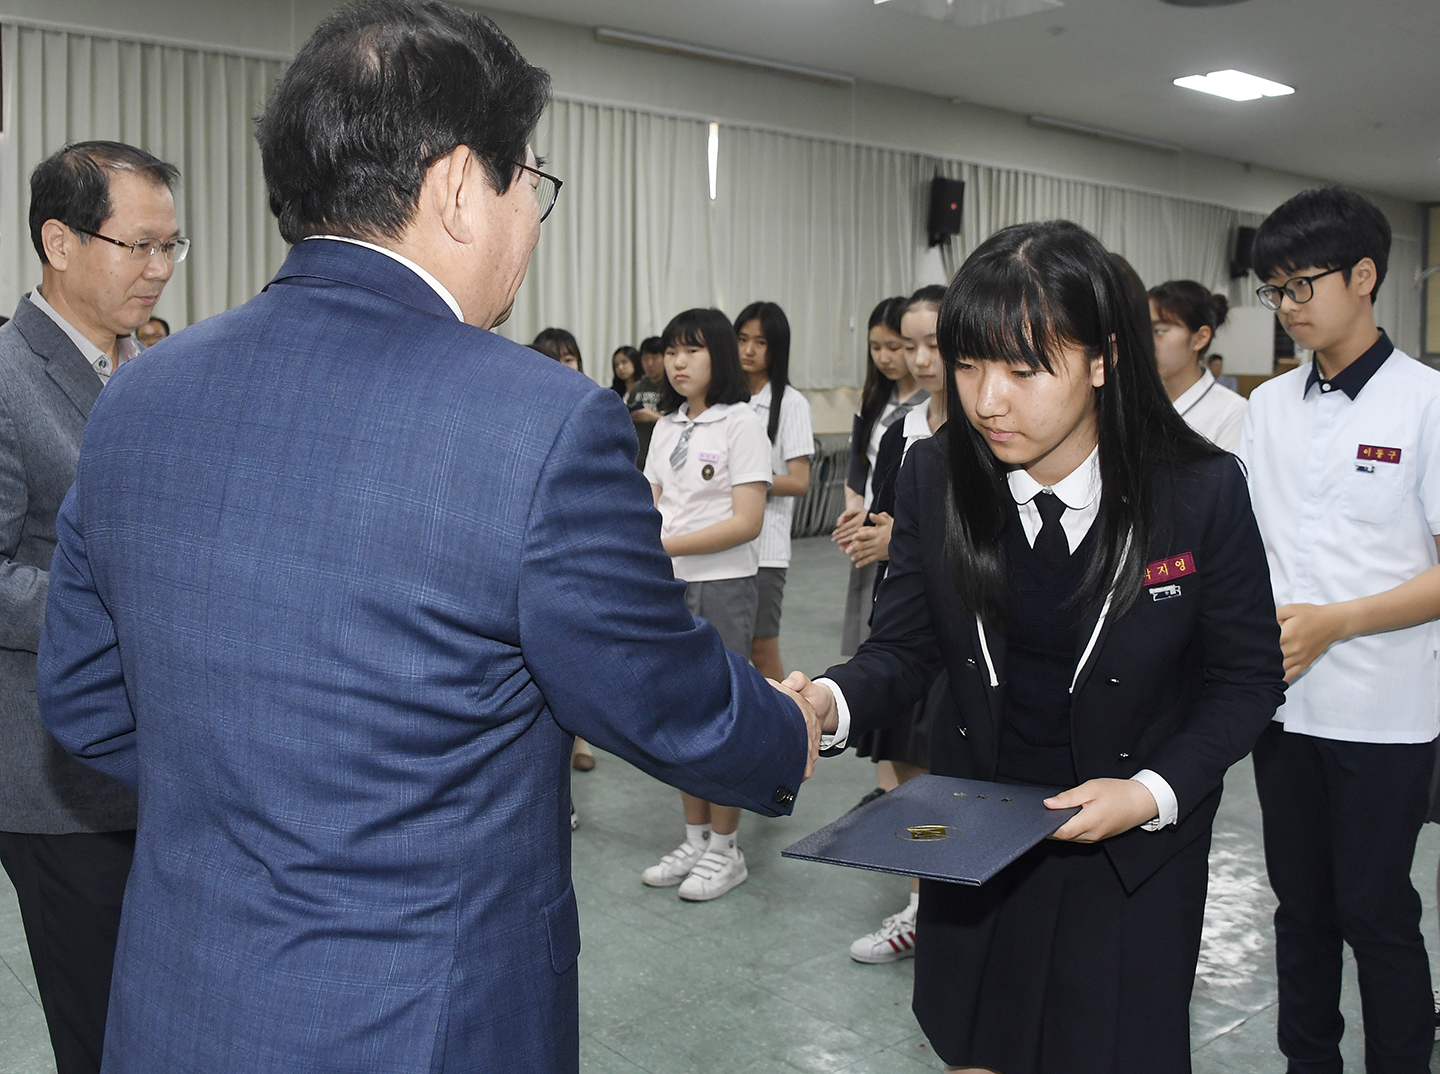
(685, 330)
(1000, 314)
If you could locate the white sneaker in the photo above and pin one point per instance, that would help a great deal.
(894, 940)
(713, 875)
(673, 867)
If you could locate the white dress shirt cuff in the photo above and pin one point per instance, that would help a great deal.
(1155, 783)
(841, 738)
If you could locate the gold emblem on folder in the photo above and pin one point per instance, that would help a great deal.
(921, 832)
(927, 831)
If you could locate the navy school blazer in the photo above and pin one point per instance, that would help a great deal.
(1183, 683)
(338, 580)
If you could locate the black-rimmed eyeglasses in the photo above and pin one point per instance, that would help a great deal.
(548, 190)
(143, 250)
(1301, 289)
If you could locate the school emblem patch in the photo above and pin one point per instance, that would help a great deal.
(1170, 568)
(707, 471)
(1371, 453)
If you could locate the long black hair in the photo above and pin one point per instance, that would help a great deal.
(877, 385)
(633, 357)
(1025, 293)
(712, 330)
(776, 327)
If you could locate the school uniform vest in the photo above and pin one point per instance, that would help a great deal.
(1042, 638)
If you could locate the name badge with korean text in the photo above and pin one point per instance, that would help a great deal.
(1164, 572)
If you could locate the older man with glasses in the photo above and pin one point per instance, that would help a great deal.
(343, 573)
(67, 833)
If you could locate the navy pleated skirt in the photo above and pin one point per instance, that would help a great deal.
(1052, 968)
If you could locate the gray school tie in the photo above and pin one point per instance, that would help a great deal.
(903, 409)
(677, 457)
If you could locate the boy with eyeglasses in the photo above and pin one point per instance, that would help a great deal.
(1344, 466)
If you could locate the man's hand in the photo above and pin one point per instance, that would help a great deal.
(1107, 807)
(812, 721)
(820, 698)
(847, 525)
(871, 543)
(1306, 631)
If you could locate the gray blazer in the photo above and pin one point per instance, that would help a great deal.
(46, 391)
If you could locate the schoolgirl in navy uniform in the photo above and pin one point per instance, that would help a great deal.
(1102, 604)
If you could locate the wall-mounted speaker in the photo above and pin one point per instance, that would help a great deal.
(947, 205)
(1240, 263)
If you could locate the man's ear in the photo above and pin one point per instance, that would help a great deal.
(451, 186)
(1363, 276)
(53, 236)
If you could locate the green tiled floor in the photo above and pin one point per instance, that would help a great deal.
(760, 980)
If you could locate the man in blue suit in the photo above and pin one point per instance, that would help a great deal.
(342, 573)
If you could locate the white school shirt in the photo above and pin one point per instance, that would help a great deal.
(727, 448)
(1080, 492)
(1213, 411)
(1345, 480)
(794, 438)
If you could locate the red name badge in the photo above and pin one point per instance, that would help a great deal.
(1167, 570)
(1378, 454)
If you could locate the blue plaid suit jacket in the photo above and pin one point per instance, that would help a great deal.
(338, 580)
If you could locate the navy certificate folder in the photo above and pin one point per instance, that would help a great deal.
(940, 828)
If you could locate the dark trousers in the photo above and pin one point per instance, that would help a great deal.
(70, 888)
(1341, 820)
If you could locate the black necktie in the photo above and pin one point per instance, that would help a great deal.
(1051, 546)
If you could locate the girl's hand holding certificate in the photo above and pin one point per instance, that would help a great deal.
(1107, 807)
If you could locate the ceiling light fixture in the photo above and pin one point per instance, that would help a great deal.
(702, 52)
(1234, 85)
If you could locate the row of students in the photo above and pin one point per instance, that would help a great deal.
(729, 455)
(902, 751)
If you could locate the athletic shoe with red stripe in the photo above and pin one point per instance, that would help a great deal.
(894, 940)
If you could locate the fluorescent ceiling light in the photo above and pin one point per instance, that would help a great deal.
(1234, 85)
(703, 52)
(713, 155)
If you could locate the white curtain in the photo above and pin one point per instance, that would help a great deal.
(825, 228)
(190, 107)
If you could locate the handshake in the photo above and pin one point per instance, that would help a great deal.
(817, 705)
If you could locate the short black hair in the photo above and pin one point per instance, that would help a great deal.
(72, 185)
(712, 330)
(652, 345)
(1327, 228)
(556, 343)
(162, 322)
(380, 91)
